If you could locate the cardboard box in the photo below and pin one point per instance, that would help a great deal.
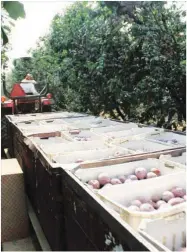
(14, 217)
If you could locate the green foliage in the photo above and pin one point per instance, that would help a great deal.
(11, 10)
(15, 9)
(21, 68)
(126, 59)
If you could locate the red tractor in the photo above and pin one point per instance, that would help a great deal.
(23, 98)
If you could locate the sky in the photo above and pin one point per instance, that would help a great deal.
(26, 32)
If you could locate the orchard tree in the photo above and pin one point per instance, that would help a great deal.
(10, 10)
(125, 59)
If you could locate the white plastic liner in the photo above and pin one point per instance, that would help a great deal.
(179, 159)
(55, 148)
(167, 234)
(170, 138)
(91, 155)
(143, 146)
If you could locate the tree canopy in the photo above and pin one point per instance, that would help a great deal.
(10, 11)
(126, 59)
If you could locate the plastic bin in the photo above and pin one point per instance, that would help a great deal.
(91, 156)
(119, 197)
(83, 135)
(143, 146)
(170, 138)
(27, 124)
(62, 148)
(96, 123)
(73, 114)
(43, 116)
(114, 128)
(89, 122)
(167, 234)
(42, 129)
(77, 119)
(26, 117)
(177, 161)
(124, 169)
(120, 136)
(53, 121)
(48, 141)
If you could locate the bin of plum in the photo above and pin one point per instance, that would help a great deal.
(53, 121)
(134, 133)
(174, 160)
(114, 128)
(27, 124)
(166, 234)
(91, 156)
(45, 141)
(81, 135)
(90, 122)
(149, 199)
(73, 120)
(106, 176)
(170, 138)
(43, 116)
(143, 146)
(70, 147)
(33, 130)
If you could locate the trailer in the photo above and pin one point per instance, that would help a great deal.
(70, 216)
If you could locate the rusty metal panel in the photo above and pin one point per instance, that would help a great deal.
(48, 187)
(43, 187)
(50, 205)
(76, 239)
(52, 225)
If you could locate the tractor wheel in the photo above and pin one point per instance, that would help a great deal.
(46, 109)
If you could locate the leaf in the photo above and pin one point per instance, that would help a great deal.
(183, 62)
(4, 36)
(15, 9)
(5, 27)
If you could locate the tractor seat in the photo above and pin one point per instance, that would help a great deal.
(29, 88)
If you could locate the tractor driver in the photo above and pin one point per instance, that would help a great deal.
(28, 85)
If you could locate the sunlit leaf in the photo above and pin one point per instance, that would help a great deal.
(15, 9)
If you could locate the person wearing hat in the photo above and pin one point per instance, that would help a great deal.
(28, 85)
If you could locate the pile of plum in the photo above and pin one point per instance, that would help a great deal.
(183, 249)
(168, 199)
(103, 180)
